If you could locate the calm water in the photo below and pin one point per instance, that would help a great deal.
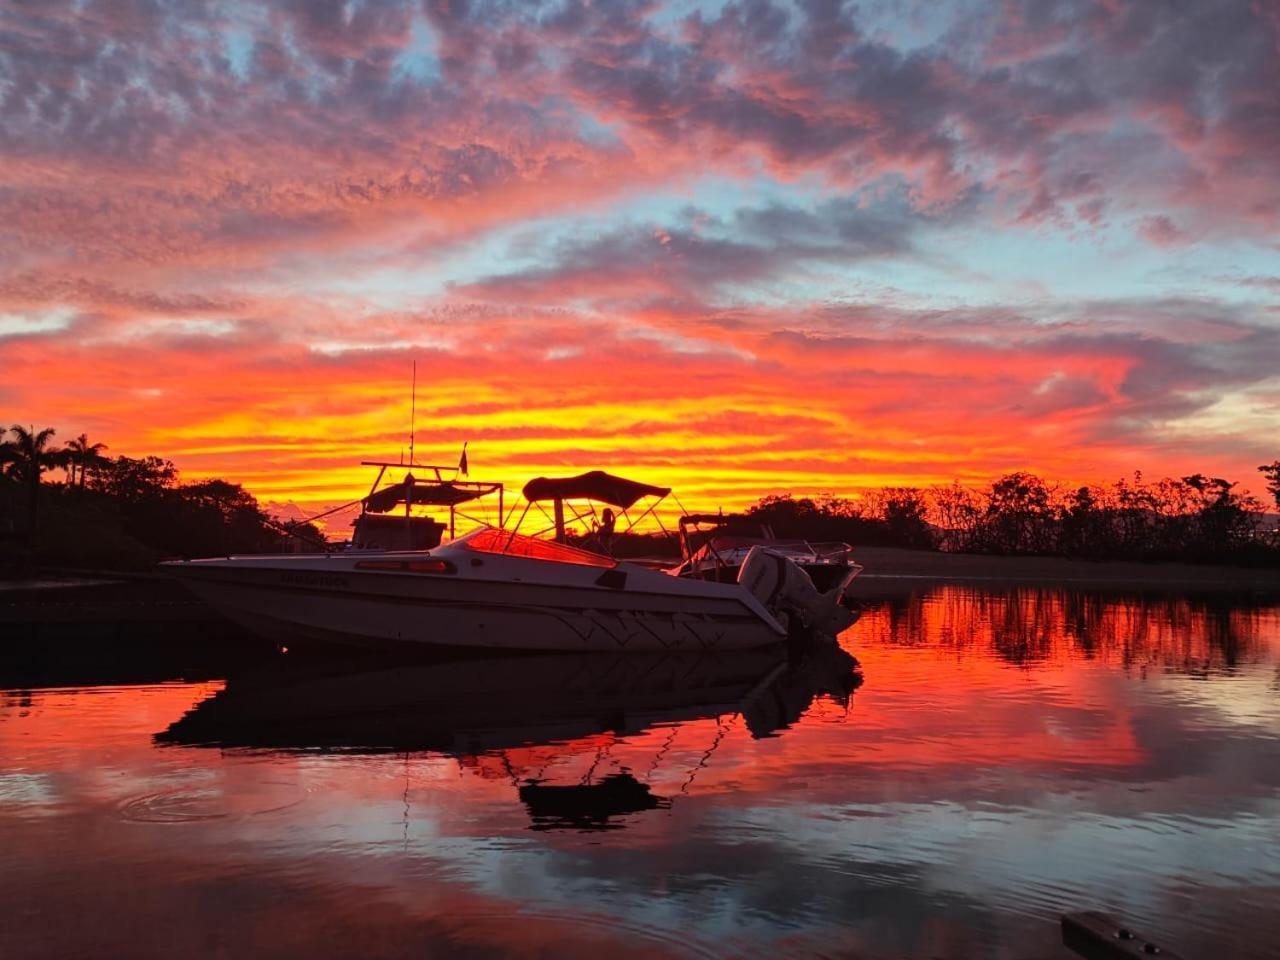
(1006, 757)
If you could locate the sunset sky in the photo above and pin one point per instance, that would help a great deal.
(736, 248)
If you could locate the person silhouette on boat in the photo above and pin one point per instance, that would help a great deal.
(604, 529)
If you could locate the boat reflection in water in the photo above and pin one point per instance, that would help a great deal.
(1014, 754)
(491, 711)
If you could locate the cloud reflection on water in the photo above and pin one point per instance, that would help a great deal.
(1009, 755)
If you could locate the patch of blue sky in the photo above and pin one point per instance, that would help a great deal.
(1082, 264)
(904, 26)
(919, 24)
(1222, 269)
(901, 281)
(420, 60)
(717, 197)
(238, 43)
(595, 131)
(672, 13)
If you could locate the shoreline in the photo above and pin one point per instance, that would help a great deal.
(881, 566)
(890, 566)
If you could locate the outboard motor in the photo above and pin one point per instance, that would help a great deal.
(786, 591)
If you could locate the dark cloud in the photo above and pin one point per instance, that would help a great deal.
(704, 253)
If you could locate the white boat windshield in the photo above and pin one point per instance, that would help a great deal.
(510, 544)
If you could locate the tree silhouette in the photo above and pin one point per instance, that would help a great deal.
(958, 515)
(1272, 472)
(129, 512)
(904, 512)
(83, 456)
(30, 456)
(1222, 520)
(7, 457)
(131, 480)
(1020, 513)
(1084, 524)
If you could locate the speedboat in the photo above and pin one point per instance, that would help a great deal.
(714, 546)
(502, 590)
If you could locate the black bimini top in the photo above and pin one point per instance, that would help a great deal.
(596, 485)
(431, 493)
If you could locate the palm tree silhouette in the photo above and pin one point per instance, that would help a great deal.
(6, 455)
(31, 455)
(83, 456)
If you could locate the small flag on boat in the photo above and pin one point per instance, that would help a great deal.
(462, 461)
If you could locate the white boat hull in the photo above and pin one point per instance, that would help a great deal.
(499, 603)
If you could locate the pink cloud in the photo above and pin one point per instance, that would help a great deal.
(1161, 231)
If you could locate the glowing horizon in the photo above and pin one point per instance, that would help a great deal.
(736, 249)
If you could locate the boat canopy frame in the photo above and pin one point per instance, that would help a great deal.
(441, 488)
(582, 493)
(721, 519)
(688, 552)
(695, 520)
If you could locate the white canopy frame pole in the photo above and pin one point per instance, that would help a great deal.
(516, 528)
(480, 520)
(543, 511)
(576, 514)
(631, 524)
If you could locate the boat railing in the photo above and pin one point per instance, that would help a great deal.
(830, 549)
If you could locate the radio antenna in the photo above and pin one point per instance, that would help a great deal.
(413, 410)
